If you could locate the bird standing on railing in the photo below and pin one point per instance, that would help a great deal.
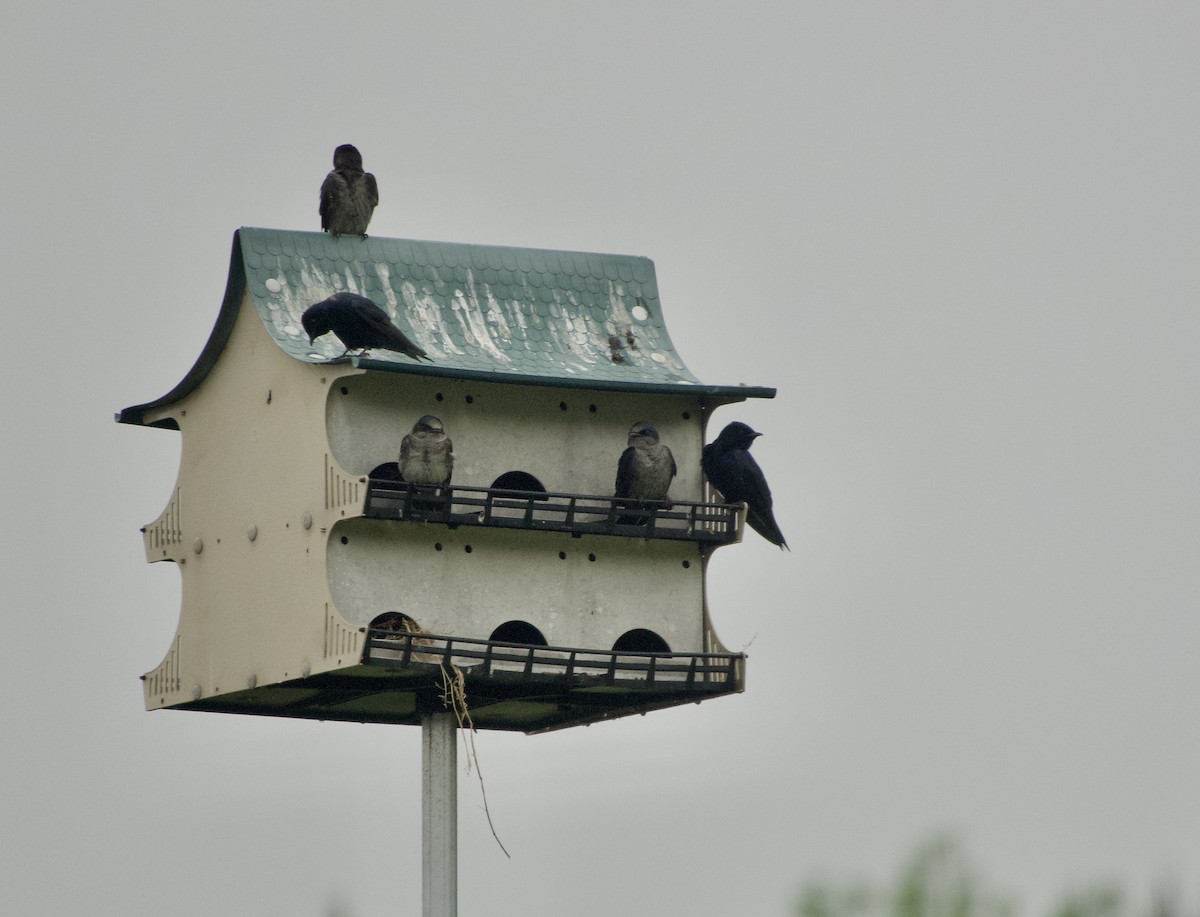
(427, 453)
(732, 470)
(644, 471)
(646, 467)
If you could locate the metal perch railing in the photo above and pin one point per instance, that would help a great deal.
(680, 520)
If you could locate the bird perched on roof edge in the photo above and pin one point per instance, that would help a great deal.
(358, 324)
(644, 470)
(427, 453)
(732, 470)
(348, 195)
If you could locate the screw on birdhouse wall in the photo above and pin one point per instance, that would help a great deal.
(198, 545)
(252, 532)
(307, 521)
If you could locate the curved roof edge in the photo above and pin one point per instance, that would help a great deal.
(485, 313)
(235, 288)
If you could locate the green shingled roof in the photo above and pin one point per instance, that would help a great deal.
(522, 315)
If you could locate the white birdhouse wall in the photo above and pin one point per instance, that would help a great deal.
(569, 439)
(577, 591)
(281, 575)
(252, 511)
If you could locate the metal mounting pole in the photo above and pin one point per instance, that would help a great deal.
(439, 815)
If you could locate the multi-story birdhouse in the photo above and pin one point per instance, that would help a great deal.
(317, 582)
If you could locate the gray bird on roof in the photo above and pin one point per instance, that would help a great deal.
(358, 323)
(348, 194)
(426, 453)
(732, 470)
(644, 470)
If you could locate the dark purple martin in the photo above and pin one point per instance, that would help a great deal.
(348, 194)
(644, 471)
(731, 469)
(427, 453)
(358, 323)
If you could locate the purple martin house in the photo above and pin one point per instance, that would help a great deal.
(316, 583)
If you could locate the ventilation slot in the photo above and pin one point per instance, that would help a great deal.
(165, 532)
(340, 489)
(340, 638)
(165, 679)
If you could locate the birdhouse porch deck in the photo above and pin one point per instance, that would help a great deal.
(506, 686)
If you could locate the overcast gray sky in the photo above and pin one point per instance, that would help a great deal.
(959, 238)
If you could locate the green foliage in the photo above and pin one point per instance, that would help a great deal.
(937, 881)
(1101, 901)
(818, 900)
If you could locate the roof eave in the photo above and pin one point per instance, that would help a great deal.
(235, 289)
(725, 392)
